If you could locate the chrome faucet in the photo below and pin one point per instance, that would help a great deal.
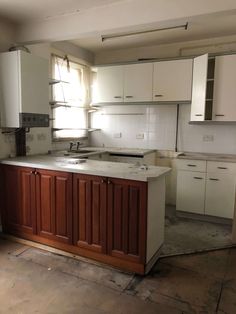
(78, 145)
(72, 144)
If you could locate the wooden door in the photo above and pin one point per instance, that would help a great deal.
(54, 205)
(89, 210)
(110, 81)
(19, 208)
(199, 87)
(172, 80)
(190, 191)
(138, 82)
(127, 219)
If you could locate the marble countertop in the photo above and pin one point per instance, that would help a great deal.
(118, 150)
(91, 167)
(207, 157)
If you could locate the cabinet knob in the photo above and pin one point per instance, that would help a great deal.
(103, 181)
(198, 178)
(117, 97)
(158, 95)
(198, 115)
(214, 179)
(219, 115)
(129, 96)
(109, 182)
(191, 165)
(222, 167)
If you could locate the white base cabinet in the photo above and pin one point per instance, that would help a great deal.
(220, 195)
(207, 188)
(191, 191)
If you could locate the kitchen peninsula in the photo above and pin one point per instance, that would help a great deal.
(111, 212)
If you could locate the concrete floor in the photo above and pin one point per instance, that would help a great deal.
(184, 235)
(36, 281)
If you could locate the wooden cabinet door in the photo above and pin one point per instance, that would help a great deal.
(220, 195)
(127, 219)
(172, 80)
(224, 103)
(89, 211)
(138, 82)
(110, 81)
(54, 205)
(19, 208)
(199, 87)
(190, 191)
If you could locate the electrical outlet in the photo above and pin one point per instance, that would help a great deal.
(140, 136)
(117, 135)
(208, 138)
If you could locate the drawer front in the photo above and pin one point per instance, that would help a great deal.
(221, 167)
(191, 165)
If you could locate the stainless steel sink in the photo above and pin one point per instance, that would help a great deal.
(80, 151)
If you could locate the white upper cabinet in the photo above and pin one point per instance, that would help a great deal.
(110, 84)
(199, 88)
(172, 80)
(138, 82)
(224, 103)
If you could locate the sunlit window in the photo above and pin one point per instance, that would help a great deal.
(70, 95)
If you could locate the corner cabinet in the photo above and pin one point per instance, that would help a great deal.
(116, 221)
(214, 92)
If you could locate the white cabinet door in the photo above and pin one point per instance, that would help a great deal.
(220, 195)
(172, 80)
(199, 85)
(224, 103)
(110, 84)
(138, 82)
(190, 191)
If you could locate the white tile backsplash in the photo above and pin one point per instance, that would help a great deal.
(158, 124)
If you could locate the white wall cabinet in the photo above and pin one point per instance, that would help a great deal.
(138, 82)
(190, 191)
(110, 84)
(209, 191)
(224, 99)
(172, 80)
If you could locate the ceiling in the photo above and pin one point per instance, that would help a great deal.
(198, 28)
(22, 11)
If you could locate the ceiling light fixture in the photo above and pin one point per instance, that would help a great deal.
(118, 35)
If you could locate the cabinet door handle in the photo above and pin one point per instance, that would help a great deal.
(219, 115)
(198, 115)
(191, 165)
(104, 181)
(158, 95)
(222, 167)
(214, 179)
(109, 182)
(32, 172)
(129, 96)
(117, 97)
(198, 178)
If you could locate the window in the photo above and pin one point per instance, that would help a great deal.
(70, 98)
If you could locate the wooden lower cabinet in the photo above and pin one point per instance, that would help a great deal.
(126, 211)
(18, 211)
(54, 205)
(89, 210)
(96, 217)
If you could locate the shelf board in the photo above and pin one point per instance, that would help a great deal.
(76, 129)
(210, 122)
(55, 81)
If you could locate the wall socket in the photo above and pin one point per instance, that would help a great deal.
(117, 135)
(140, 136)
(208, 138)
